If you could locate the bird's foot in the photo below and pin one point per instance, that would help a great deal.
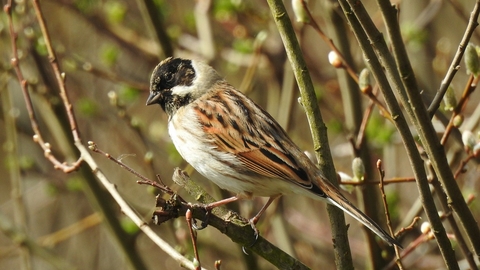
(252, 222)
(204, 223)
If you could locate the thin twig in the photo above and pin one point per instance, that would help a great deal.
(60, 77)
(407, 228)
(385, 182)
(90, 68)
(381, 173)
(38, 138)
(193, 236)
(345, 65)
(17, 190)
(93, 146)
(455, 65)
(463, 163)
(128, 211)
(235, 227)
(469, 88)
(453, 223)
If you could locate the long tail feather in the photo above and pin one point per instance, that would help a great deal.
(341, 202)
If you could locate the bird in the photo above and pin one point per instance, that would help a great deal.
(233, 142)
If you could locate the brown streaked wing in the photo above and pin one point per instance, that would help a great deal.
(260, 152)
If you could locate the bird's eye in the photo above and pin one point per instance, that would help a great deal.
(169, 77)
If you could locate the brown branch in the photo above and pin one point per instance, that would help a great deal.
(238, 229)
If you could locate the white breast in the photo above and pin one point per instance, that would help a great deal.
(219, 167)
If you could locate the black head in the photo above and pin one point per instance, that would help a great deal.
(170, 82)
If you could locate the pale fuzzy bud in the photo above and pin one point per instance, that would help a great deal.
(364, 81)
(91, 145)
(334, 59)
(36, 138)
(47, 152)
(113, 97)
(449, 99)
(358, 169)
(457, 120)
(148, 157)
(135, 122)
(468, 140)
(471, 60)
(87, 66)
(425, 227)
(299, 10)
(47, 145)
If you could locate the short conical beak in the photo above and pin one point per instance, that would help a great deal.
(153, 98)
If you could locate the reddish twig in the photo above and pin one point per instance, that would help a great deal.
(38, 138)
(93, 146)
(193, 236)
(455, 65)
(408, 228)
(470, 87)
(442, 197)
(363, 126)
(60, 76)
(381, 173)
(344, 64)
(385, 182)
(461, 167)
(423, 238)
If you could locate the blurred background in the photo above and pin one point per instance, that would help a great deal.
(108, 49)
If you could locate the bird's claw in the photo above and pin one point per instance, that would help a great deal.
(204, 223)
(256, 235)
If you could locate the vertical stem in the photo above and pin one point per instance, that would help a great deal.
(412, 100)
(19, 210)
(343, 258)
(352, 105)
(357, 17)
